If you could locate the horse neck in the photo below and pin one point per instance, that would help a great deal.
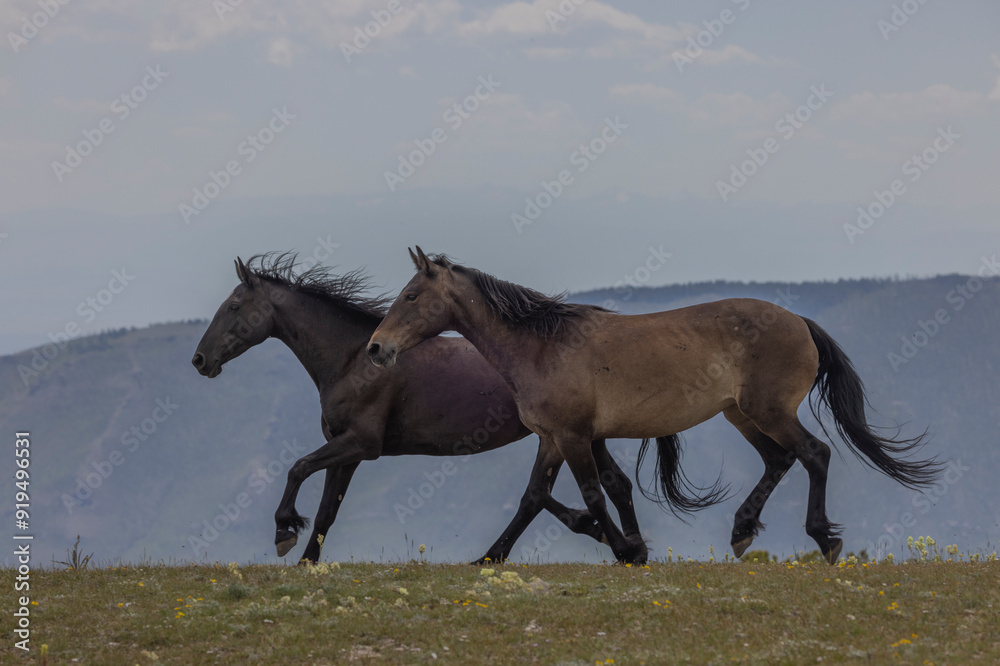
(324, 337)
(507, 348)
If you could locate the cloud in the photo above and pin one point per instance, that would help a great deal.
(527, 19)
(191, 25)
(507, 115)
(647, 92)
(724, 109)
(282, 51)
(515, 18)
(653, 34)
(738, 108)
(936, 102)
(624, 35)
(551, 52)
(408, 72)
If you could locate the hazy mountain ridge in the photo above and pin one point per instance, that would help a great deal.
(221, 436)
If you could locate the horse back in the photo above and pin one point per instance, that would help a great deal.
(698, 359)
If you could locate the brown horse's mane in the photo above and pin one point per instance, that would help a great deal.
(522, 306)
(346, 291)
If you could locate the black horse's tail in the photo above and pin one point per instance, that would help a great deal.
(839, 387)
(673, 488)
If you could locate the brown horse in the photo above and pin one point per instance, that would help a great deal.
(444, 401)
(580, 372)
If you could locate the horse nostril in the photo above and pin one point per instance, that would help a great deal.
(373, 349)
(199, 360)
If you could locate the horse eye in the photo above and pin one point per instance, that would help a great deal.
(411, 297)
(233, 307)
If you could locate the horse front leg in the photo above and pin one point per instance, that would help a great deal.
(777, 461)
(337, 480)
(344, 449)
(538, 496)
(618, 487)
(579, 456)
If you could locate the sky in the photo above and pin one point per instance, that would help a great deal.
(560, 144)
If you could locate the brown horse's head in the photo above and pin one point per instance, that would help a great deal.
(245, 319)
(425, 308)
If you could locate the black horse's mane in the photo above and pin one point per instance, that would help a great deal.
(346, 291)
(522, 306)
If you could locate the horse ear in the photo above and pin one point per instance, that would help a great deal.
(242, 272)
(421, 261)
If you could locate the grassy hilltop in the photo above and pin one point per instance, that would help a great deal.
(415, 612)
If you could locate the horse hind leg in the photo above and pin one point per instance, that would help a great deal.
(815, 457)
(777, 461)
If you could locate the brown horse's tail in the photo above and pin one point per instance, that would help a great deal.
(839, 387)
(673, 488)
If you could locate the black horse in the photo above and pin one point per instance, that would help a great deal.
(439, 401)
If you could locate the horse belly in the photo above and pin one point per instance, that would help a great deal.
(675, 382)
(657, 411)
(445, 418)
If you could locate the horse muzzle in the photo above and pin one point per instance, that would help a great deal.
(201, 364)
(383, 356)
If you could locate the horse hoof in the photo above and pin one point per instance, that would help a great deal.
(741, 546)
(284, 546)
(834, 552)
(640, 558)
(637, 552)
(486, 559)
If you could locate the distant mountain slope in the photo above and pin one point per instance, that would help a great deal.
(136, 452)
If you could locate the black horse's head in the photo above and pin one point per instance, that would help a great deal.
(245, 319)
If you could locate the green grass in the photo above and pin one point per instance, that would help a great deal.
(916, 613)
